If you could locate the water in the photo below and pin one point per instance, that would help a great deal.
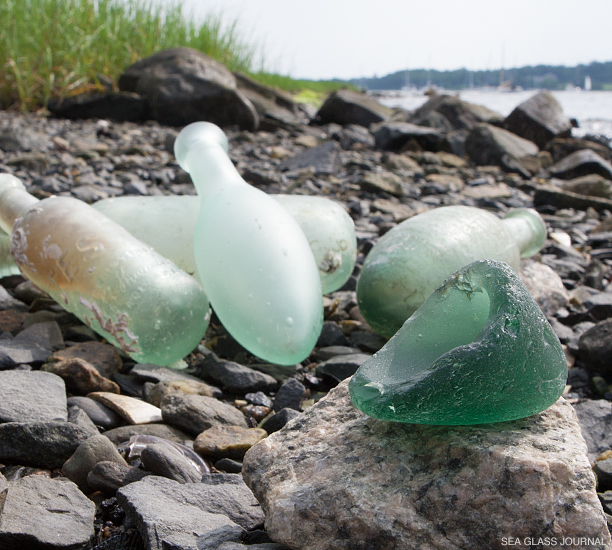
(592, 110)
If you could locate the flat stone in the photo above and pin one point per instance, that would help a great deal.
(387, 182)
(103, 357)
(32, 396)
(342, 367)
(487, 144)
(123, 433)
(195, 387)
(289, 395)
(34, 344)
(581, 163)
(169, 513)
(79, 417)
(133, 410)
(550, 195)
(324, 159)
(227, 441)
(233, 377)
(155, 373)
(43, 444)
(164, 460)
(415, 482)
(109, 477)
(196, 413)
(39, 512)
(80, 376)
(592, 185)
(91, 451)
(100, 414)
(595, 419)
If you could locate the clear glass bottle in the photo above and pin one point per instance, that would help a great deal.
(94, 268)
(253, 259)
(409, 262)
(168, 224)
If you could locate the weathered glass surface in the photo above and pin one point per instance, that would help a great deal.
(7, 264)
(253, 259)
(409, 262)
(478, 350)
(97, 270)
(168, 225)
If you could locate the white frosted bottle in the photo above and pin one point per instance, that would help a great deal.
(167, 223)
(253, 259)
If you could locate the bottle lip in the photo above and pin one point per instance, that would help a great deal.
(200, 134)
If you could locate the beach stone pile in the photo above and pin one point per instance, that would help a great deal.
(323, 474)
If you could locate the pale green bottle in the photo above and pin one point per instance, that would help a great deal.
(253, 259)
(95, 269)
(168, 224)
(409, 262)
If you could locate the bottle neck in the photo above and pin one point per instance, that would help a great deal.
(14, 202)
(211, 170)
(528, 230)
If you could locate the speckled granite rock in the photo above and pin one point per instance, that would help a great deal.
(336, 479)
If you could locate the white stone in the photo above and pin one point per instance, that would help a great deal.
(335, 478)
(133, 410)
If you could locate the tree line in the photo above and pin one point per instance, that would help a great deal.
(551, 77)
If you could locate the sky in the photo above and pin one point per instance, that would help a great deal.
(324, 39)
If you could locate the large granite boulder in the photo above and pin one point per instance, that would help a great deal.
(488, 144)
(183, 85)
(539, 119)
(348, 107)
(444, 111)
(336, 478)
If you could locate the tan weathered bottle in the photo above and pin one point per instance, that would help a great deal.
(97, 270)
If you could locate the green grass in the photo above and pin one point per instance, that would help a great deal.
(58, 48)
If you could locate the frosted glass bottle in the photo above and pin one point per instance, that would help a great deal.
(168, 225)
(94, 268)
(7, 264)
(409, 262)
(253, 259)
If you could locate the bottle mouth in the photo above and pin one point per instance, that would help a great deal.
(201, 135)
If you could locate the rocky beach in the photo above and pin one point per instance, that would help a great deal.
(229, 452)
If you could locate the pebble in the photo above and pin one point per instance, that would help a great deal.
(289, 395)
(227, 441)
(133, 410)
(164, 460)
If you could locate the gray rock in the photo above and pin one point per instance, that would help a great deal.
(603, 472)
(461, 115)
(550, 195)
(263, 546)
(595, 419)
(259, 398)
(486, 144)
(560, 148)
(8, 302)
(154, 373)
(355, 136)
(164, 460)
(342, 366)
(581, 163)
(324, 354)
(349, 107)
(32, 396)
(233, 377)
(120, 106)
(123, 433)
(78, 416)
(595, 347)
(43, 513)
(183, 85)
(414, 486)
(279, 420)
(324, 159)
(289, 395)
(394, 136)
(91, 451)
(109, 477)
(33, 344)
(544, 285)
(539, 119)
(43, 444)
(229, 466)
(196, 413)
(331, 335)
(592, 185)
(167, 512)
(100, 414)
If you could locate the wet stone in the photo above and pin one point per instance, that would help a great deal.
(100, 414)
(43, 401)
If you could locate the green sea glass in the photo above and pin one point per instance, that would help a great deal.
(94, 268)
(253, 259)
(409, 262)
(478, 350)
(168, 224)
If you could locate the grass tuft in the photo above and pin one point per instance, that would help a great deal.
(59, 48)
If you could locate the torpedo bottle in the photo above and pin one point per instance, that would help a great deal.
(253, 259)
(95, 269)
(414, 258)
